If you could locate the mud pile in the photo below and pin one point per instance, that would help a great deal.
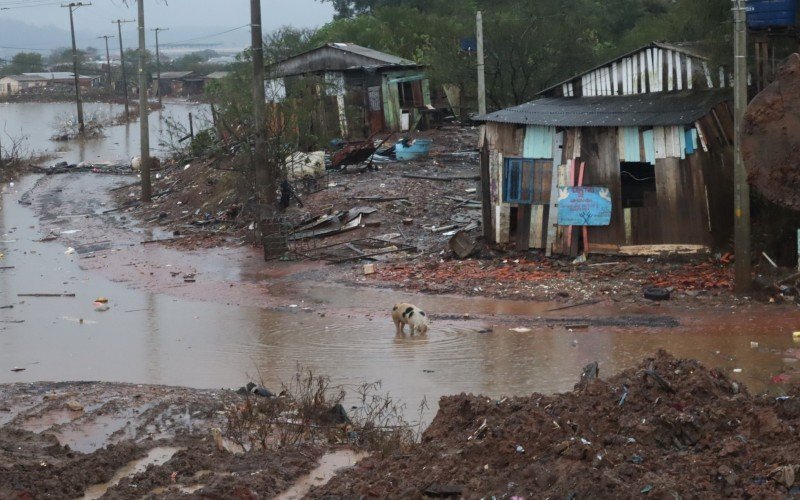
(770, 142)
(670, 428)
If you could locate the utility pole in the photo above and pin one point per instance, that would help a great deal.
(158, 64)
(481, 74)
(743, 277)
(108, 58)
(265, 179)
(72, 6)
(144, 110)
(119, 23)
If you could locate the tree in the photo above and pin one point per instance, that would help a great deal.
(26, 62)
(287, 41)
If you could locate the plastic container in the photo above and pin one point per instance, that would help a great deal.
(764, 14)
(417, 148)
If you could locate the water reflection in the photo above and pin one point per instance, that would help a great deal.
(37, 122)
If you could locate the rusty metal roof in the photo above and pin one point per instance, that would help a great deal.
(657, 109)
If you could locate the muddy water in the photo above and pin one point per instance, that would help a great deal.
(167, 338)
(329, 465)
(38, 122)
(156, 456)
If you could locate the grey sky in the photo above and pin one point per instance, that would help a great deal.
(196, 13)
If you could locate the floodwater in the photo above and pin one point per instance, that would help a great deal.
(36, 123)
(166, 338)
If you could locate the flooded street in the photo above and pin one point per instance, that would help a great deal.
(38, 122)
(238, 322)
(162, 330)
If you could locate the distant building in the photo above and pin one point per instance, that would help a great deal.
(174, 83)
(57, 78)
(14, 84)
(362, 91)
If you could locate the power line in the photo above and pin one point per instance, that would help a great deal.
(205, 37)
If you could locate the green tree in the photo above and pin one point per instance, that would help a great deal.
(287, 41)
(26, 62)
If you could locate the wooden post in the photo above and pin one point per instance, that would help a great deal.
(191, 126)
(265, 190)
(144, 110)
(798, 250)
(72, 6)
(486, 193)
(158, 66)
(481, 73)
(119, 22)
(108, 60)
(743, 276)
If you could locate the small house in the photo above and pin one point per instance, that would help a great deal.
(58, 79)
(14, 84)
(363, 91)
(633, 156)
(174, 83)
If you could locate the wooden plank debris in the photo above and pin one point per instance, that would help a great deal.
(446, 179)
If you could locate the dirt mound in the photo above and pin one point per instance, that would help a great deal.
(770, 142)
(669, 427)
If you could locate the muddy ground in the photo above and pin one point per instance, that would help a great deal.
(59, 439)
(668, 428)
(198, 205)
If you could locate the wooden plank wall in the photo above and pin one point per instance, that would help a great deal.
(600, 151)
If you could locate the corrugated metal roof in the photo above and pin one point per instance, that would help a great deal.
(372, 54)
(59, 75)
(175, 75)
(26, 78)
(659, 109)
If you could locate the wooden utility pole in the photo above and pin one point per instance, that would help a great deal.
(743, 276)
(481, 73)
(265, 179)
(119, 23)
(158, 64)
(72, 6)
(108, 59)
(144, 110)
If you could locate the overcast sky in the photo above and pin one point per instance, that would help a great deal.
(165, 13)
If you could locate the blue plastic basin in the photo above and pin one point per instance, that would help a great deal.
(418, 149)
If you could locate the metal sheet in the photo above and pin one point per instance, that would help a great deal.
(660, 109)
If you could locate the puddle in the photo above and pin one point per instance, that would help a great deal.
(329, 465)
(203, 342)
(156, 456)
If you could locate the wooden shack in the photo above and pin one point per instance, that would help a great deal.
(361, 91)
(653, 126)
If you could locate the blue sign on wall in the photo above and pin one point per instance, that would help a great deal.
(584, 206)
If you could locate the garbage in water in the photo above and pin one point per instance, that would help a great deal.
(69, 251)
(520, 329)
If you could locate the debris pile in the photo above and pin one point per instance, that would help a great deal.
(669, 427)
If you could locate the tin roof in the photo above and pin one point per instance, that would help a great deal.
(175, 75)
(658, 109)
(26, 78)
(373, 54)
(338, 57)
